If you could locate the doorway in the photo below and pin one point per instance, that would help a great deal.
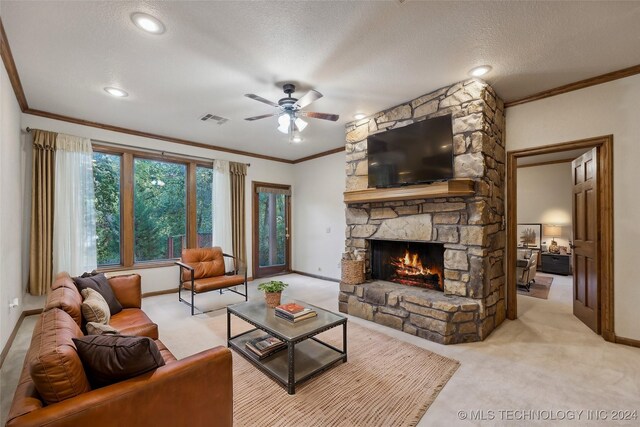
(271, 229)
(600, 249)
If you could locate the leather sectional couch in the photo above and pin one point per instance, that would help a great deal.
(194, 391)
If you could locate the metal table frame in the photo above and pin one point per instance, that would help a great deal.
(291, 382)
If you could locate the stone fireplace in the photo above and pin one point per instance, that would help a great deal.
(462, 235)
(419, 264)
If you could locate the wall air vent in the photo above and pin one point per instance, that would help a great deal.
(212, 117)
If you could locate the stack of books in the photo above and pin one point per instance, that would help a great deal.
(294, 312)
(265, 345)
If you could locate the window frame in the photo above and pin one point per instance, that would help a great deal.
(127, 255)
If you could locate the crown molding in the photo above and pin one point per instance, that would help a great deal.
(581, 84)
(12, 71)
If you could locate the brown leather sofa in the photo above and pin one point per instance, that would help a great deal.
(194, 391)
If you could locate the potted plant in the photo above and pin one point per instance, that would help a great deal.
(272, 292)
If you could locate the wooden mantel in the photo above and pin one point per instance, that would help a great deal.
(451, 188)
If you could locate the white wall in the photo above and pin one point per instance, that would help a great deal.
(11, 209)
(318, 215)
(156, 279)
(544, 197)
(610, 108)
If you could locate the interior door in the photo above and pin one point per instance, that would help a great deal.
(271, 229)
(586, 297)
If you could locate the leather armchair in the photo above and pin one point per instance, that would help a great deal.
(203, 270)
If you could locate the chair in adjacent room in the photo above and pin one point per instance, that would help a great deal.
(526, 271)
(203, 270)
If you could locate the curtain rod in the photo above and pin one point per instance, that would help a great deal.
(151, 150)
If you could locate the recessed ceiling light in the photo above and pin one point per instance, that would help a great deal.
(359, 116)
(480, 71)
(148, 23)
(114, 91)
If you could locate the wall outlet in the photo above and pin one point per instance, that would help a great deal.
(14, 303)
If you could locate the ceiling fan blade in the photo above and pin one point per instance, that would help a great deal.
(307, 98)
(264, 116)
(323, 116)
(261, 99)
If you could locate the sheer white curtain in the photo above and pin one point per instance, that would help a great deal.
(74, 223)
(222, 228)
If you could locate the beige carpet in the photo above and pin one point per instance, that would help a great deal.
(386, 382)
(539, 289)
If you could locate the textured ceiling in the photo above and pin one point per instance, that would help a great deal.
(363, 56)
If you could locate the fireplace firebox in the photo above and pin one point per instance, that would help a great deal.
(419, 264)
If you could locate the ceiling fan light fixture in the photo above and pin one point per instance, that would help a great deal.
(284, 121)
(296, 139)
(300, 124)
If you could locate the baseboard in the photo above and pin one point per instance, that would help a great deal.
(163, 292)
(7, 346)
(627, 341)
(171, 291)
(316, 276)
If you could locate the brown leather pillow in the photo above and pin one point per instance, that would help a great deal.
(98, 282)
(108, 359)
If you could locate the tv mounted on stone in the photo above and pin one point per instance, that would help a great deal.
(419, 153)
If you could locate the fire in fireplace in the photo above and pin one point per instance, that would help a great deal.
(418, 264)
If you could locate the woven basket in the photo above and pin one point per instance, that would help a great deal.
(272, 299)
(352, 272)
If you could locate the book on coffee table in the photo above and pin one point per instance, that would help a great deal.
(265, 345)
(294, 312)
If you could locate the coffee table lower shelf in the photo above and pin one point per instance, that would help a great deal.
(311, 357)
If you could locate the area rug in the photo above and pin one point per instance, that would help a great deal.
(385, 382)
(540, 289)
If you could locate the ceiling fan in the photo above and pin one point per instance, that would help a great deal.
(289, 111)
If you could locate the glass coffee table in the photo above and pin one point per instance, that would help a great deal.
(304, 356)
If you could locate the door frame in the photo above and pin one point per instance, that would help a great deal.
(254, 229)
(604, 144)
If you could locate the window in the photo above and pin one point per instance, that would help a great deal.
(204, 213)
(149, 207)
(106, 180)
(160, 209)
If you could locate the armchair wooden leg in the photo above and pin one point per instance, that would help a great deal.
(192, 303)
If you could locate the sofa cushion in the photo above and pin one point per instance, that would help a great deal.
(95, 328)
(67, 299)
(206, 262)
(133, 321)
(54, 365)
(109, 359)
(94, 307)
(167, 356)
(213, 283)
(100, 283)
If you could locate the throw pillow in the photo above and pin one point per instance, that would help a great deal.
(94, 307)
(100, 283)
(108, 359)
(95, 328)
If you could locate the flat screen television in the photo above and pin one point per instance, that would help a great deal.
(418, 153)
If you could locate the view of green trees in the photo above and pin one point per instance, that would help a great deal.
(204, 207)
(272, 229)
(160, 198)
(160, 211)
(160, 206)
(106, 179)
